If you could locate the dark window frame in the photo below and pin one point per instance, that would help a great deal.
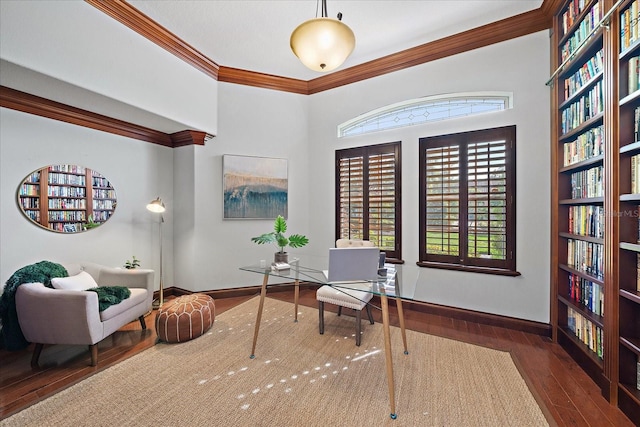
(462, 261)
(365, 152)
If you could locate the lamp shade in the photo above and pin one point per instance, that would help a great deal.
(322, 44)
(156, 205)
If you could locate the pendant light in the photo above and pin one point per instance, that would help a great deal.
(323, 44)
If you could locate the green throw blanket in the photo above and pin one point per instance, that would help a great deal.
(11, 336)
(110, 295)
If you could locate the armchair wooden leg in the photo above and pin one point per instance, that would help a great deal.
(321, 316)
(36, 355)
(142, 322)
(339, 310)
(94, 354)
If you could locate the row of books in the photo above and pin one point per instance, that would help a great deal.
(587, 145)
(65, 226)
(587, 257)
(101, 216)
(571, 13)
(34, 215)
(67, 216)
(586, 331)
(67, 204)
(587, 293)
(99, 181)
(29, 190)
(587, 107)
(104, 194)
(588, 24)
(635, 170)
(67, 168)
(587, 183)
(584, 75)
(55, 191)
(66, 179)
(103, 204)
(586, 220)
(34, 177)
(30, 202)
(629, 26)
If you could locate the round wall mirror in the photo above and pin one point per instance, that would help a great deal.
(67, 198)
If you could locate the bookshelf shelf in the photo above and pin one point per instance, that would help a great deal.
(580, 237)
(583, 201)
(634, 247)
(584, 310)
(585, 164)
(632, 148)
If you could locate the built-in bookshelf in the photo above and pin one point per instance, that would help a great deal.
(629, 211)
(595, 197)
(66, 198)
(580, 292)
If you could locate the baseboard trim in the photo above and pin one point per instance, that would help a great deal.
(507, 322)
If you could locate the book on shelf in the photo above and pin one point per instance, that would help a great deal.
(587, 145)
(587, 257)
(635, 182)
(587, 183)
(634, 74)
(586, 331)
(587, 293)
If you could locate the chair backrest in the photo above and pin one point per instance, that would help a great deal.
(349, 264)
(352, 243)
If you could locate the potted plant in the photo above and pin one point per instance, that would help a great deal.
(277, 236)
(133, 264)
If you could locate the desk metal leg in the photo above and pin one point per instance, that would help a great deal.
(263, 294)
(296, 295)
(387, 350)
(401, 317)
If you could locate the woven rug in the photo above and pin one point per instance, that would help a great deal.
(298, 378)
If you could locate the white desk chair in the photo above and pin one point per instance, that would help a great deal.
(349, 298)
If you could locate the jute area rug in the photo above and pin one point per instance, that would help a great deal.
(298, 378)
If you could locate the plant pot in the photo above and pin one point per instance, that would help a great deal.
(281, 257)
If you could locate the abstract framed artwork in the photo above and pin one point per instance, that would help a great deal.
(254, 187)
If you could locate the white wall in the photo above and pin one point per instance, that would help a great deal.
(519, 66)
(76, 43)
(139, 172)
(252, 122)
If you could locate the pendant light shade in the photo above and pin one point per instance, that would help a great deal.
(322, 44)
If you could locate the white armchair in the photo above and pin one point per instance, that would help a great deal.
(59, 316)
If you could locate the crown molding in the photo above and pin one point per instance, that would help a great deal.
(31, 104)
(265, 81)
(499, 31)
(156, 33)
(505, 29)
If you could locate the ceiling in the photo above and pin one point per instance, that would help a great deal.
(254, 35)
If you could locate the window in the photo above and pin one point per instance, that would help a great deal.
(425, 110)
(368, 196)
(467, 201)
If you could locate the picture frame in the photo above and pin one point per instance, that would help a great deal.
(254, 187)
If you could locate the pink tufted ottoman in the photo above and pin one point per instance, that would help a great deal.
(185, 318)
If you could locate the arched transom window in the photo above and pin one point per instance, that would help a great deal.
(425, 110)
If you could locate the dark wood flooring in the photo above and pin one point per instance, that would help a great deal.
(568, 396)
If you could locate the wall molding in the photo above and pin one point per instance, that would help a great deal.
(505, 29)
(32, 104)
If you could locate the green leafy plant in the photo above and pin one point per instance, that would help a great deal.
(91, 223)
(277, 236)
(133, 264)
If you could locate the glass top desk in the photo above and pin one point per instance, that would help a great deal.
(399, 283)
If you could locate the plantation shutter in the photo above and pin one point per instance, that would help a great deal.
(442, 166)
(368, 196)
(351, 197)
(487, 200)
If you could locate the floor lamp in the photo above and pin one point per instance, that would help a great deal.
(157, 206)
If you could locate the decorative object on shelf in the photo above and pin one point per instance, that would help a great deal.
(277, 236)
(66, 198)
(133, 264)
(254, 187)
(323, 44)
(157, 206)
